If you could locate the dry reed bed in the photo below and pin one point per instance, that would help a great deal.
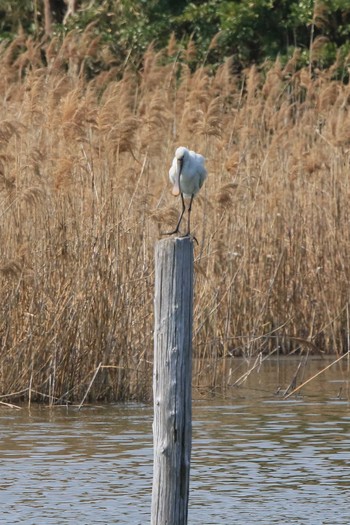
(84, 195)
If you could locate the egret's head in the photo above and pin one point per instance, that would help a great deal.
(181, 152)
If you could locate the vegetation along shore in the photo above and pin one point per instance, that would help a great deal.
(84, 160)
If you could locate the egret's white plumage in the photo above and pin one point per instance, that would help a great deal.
(187, 174)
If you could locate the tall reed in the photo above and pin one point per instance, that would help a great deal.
(85, 194)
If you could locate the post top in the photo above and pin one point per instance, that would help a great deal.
(173, 240)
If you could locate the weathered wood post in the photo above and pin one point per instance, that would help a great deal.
(172, 379)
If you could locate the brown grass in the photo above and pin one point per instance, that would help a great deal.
(84, 195)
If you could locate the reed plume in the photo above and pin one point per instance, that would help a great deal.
(84, 193)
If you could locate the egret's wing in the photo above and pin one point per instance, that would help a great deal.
(201, 169)
(203, 174)
(198, 157)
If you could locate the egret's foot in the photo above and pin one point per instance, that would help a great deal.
(170, 233)
(188, 234)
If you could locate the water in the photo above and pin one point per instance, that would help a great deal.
(272, 462)
(256, 459)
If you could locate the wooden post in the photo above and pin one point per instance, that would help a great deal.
(172, 380)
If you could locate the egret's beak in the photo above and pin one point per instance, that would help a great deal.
(176, 188)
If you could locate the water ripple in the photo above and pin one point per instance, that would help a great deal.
(252, 463)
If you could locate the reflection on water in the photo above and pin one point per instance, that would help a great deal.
(272, 462)
(85, 467)
(256, 459)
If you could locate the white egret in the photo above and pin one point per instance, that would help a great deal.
(187, 174)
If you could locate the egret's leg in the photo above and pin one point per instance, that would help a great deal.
(189, 215)
(189, 220)
(181, 214)
(180, 218)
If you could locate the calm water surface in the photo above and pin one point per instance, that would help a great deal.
(256, 459)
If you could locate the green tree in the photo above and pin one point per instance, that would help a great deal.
(248, 30)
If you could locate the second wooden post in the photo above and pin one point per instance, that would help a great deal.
(172, 379)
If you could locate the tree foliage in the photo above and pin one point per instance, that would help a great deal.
(251, 31)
